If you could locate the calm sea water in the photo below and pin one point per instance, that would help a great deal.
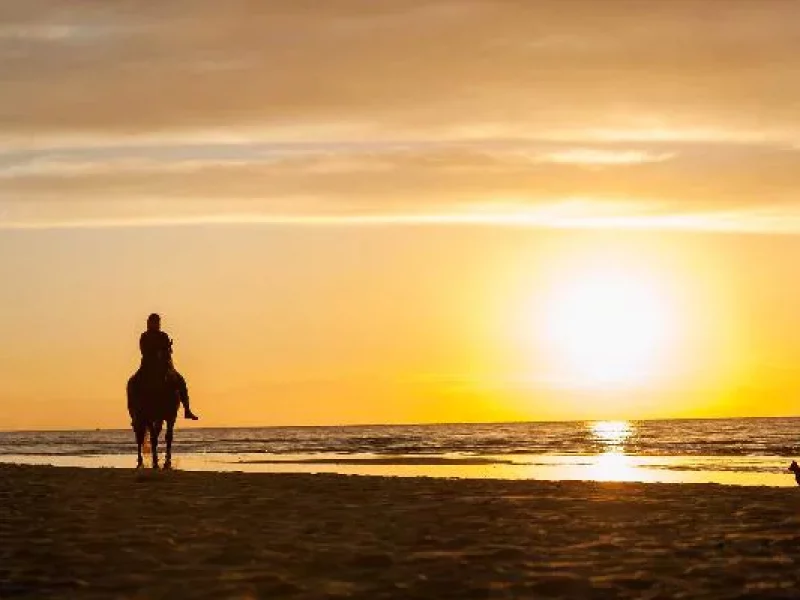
(737, 451)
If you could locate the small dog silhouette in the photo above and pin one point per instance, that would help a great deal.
(795, 468)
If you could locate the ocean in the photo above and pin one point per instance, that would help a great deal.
(752, 451)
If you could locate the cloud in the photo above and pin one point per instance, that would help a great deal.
(366, 111)
(511, 183)
(594, 157)
(425, 65)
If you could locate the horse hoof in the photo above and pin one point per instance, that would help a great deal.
(167, 466)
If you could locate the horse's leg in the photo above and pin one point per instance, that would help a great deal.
(168, 437)
(138, 428)
(155, 431)
(140, 431)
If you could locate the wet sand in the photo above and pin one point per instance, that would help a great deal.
(117, 533)
(386, 460)
(609, 466)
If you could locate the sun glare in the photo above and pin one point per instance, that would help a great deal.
(608, 328)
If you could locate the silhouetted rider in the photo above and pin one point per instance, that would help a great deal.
(156, 348)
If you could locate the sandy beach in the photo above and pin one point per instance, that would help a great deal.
(102, 533)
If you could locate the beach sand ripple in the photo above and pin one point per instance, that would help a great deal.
(114, 533)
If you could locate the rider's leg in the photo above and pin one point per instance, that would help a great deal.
(183, 392)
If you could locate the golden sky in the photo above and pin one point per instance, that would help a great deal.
(360, 211)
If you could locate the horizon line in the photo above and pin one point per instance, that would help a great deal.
(424, 424)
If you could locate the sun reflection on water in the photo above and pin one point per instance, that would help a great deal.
(612, 464)
(611, 435)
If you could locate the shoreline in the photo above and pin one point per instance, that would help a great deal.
(770, 471)
(96, 533)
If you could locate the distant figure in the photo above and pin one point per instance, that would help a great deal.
(156, 348)
(795, 468)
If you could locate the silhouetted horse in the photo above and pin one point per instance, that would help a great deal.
(153, 399)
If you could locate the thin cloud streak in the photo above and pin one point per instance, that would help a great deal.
(595, 157)
(755, 221)
(387, 179)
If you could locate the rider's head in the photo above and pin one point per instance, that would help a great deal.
(154, 322)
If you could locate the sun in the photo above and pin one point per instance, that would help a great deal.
(608, 327)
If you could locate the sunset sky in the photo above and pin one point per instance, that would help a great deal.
(358, 211)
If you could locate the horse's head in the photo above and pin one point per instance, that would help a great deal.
(165, 355)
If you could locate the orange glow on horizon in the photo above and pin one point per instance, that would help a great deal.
(542, 325)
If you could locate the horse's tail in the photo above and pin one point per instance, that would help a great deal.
(130, 391)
